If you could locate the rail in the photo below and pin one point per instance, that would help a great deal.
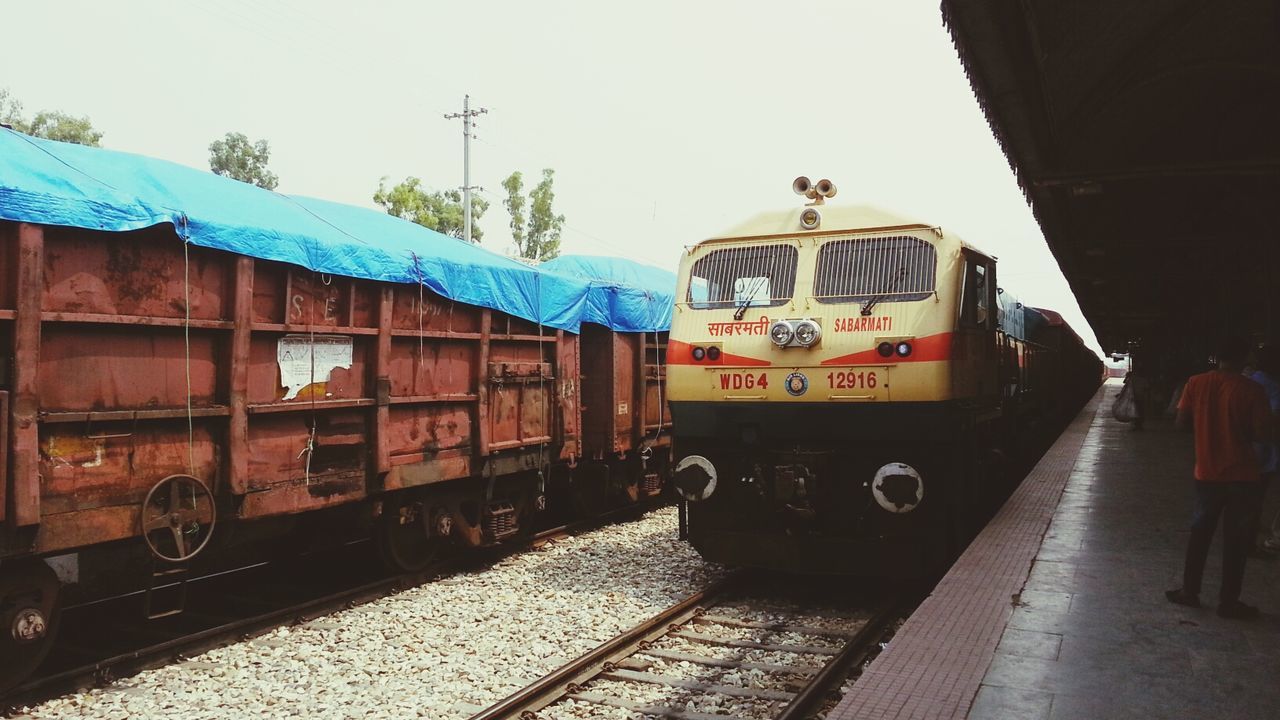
(102, 670)
(612, 661)
(551, 688)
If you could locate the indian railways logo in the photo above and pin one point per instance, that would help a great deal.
(797, 384)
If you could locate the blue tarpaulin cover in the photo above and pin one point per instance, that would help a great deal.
(53, 183)
(624, 294)
(1011, 315)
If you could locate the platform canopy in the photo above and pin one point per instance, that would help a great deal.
(1146, 135)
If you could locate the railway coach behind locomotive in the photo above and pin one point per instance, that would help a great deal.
(843, 381)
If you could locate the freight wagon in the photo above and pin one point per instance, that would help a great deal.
(624, 417)
(193, 367)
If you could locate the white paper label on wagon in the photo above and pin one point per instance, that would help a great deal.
(307, 359)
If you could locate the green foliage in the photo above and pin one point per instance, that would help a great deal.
(51, 124)
(440, 211)
(515, 202)
(235, 157)
(10, 110)
(536, 236)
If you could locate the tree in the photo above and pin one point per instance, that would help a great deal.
(50, 124)
(440, 211)
(10, 110)
(536, 236)
(235, 157)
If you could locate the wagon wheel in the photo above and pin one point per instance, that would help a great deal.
(28, 618)
(404, 534)
(178, 518)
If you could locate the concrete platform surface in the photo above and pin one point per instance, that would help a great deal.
(1057, 609)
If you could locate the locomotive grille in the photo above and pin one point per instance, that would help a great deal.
(759, 275)
(500, 520)
(891, 268)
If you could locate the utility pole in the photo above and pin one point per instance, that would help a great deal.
(467, 126)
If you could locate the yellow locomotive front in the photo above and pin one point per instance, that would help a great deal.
(829, 370)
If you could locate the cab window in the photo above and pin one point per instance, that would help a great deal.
(759, 275)
(975, 305)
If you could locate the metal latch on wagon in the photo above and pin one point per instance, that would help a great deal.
(515, 373)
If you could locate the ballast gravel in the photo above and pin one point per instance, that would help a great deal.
(442, 650)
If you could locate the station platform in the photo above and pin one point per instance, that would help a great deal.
(1057, 608)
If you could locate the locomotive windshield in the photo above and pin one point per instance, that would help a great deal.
(875, 270)
(741, 277)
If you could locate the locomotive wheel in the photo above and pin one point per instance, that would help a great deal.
(404, 536)
(178, 518)
(28, 619)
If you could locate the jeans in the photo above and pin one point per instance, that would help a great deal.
(1234, 501)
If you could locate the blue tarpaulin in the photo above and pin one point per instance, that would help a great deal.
(624, 295)
(53, 183)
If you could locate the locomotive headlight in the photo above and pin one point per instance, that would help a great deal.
(699, 353)
(810, 218)
(808, 332)
(713, 353)
(885, 349)
(903, 349)
(781, 333)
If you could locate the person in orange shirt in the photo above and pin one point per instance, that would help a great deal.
(1228, 413)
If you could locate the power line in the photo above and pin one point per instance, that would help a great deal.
(468, 125)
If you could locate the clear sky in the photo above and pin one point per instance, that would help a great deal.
(665, 121)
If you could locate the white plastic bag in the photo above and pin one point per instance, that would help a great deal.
(1125, 408)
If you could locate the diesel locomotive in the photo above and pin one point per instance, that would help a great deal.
(847, 385)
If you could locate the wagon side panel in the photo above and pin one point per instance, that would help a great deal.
(311, 390)
(122, 366)
(434, 388)
(569, 395)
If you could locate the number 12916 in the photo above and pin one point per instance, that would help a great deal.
(852, 379)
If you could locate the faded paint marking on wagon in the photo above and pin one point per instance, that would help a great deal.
(73, 451)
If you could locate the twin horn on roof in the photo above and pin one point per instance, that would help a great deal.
(817, 192)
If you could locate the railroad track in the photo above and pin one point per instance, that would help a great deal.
(714, 643)
(99, 660)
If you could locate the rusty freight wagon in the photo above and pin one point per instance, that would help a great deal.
(625, 421)
(192, 365)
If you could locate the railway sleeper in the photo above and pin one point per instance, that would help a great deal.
(779, 627)
(654, 710)
(718, 662)
(795, 649)
(639, 664)
(684, 684)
